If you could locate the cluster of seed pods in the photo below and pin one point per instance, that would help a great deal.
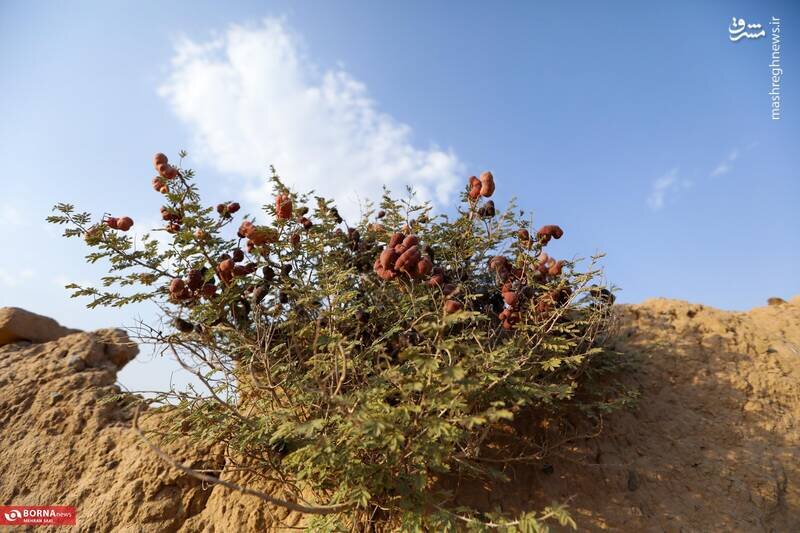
(192, 287)
(403, 256)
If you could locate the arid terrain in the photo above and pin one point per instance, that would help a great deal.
(713, 443)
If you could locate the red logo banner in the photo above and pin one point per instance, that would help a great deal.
(37, 515)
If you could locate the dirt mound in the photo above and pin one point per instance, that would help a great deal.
(713, 444)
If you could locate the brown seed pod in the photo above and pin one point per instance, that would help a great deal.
(233, 207)
(239, 271)
(437, 280)
(176, 286)
(159, 159)
(226, 265)
(124, 223)
(237, 255)
(111, 222)
(524, 235)
(424, 266)
(194, 279)
(244, 229)
(499, 262)
(261, 235)
(306, 223)
(452, 306)
(411, 255)
(487, 210)
(449, 289)
(388, 258)
(546, 232)
(158, 183)
(474, 188)
(295, 240)
(396, 239)
(182, 325)
(411, 240)
(555, 269)
(268, 273)
(511, 298)
(208, 290)
(487, 184)
(381, 214)
(222, 209)
(200, 234)
(168, 171)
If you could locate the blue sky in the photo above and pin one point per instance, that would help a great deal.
(643, 131)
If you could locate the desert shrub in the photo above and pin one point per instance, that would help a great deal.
(360, 364)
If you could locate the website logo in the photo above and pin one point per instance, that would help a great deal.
(37, 515)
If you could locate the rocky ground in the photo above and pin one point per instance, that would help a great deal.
(712, 445)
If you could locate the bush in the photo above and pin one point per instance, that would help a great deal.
(360, 365)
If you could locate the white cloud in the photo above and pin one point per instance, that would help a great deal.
(10, 215)
(726, 165)
(253, 98)
(15, 279)
(663, 186)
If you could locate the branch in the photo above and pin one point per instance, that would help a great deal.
(292, 506)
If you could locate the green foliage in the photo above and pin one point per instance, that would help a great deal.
(350, 387)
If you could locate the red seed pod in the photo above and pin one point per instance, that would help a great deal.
(158, 183)
(239, 270)
(168, 171)
(474, 188)
(524, 235)
(511, 298)
(396, 239)
(424, 266)
(487, 184)
(244, 228)
(233, 207)
(124, 223)
(452, 306)
(261, 235)
(295, 240)
(237, 255)
(409, 256)
(283, 206)
(194, 279)
(388, 258)
(159, 159)
(111, 222)
(411, 240)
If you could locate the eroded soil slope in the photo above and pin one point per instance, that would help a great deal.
(713, 444)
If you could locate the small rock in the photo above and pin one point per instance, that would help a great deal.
(776, 301)
(76, 363)
(548, 469)
(55, 397)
